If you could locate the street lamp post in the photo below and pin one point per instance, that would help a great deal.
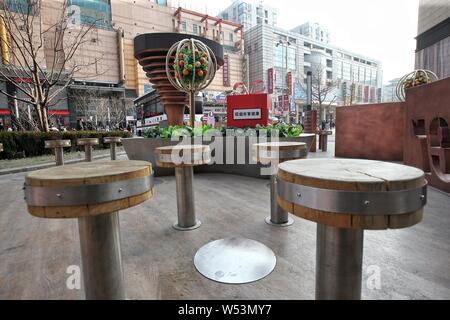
(284, 74)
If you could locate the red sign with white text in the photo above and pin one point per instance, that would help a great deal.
(248, 110)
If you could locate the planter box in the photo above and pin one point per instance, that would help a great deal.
(238, 161)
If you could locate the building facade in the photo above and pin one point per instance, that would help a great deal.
(250, 13)
(389, 91)
(110, 69)
(433, 40)
(282, 59)
(313, 31)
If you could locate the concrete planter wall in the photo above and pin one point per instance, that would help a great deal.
(143, 149)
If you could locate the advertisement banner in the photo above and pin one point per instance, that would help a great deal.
(289, 82)
(270, 80)
(226, 71)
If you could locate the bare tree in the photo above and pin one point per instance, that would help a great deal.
(323, 89)
(109, 110)
(44, 52)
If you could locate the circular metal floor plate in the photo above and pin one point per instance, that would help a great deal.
(235, 260)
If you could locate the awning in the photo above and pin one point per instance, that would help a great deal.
(59, 112)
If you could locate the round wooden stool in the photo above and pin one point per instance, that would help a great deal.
(94, 193)
(112, 141)
(274, 153)
(88, 143)
(58, 146)
(183, 158)
(345, 197)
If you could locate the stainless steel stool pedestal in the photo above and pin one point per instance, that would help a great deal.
(183, 158)
(101, 257)
(112, 141)
(345, 197)
(88, 143)
(187, 221)
(339, 256)
(94, 193)
(58, 146)
(274, 153)
(278, 216)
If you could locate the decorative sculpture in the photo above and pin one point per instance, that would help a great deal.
(414, 79)
(192, 70)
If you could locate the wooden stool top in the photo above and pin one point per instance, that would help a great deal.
(377, 195)
(112, 139)
(182, 155)
(278, 151)
(50, 144)
(88, 188)
(87, 141)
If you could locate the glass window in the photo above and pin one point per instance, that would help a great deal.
(259, 11)
(231, 36)
(292, 58)
(20, 6)
(338, 72)
(194, 29)
(258, 20)
(329, 75)
(183, 26)
(346, 69)
(96, 12)
(162, 2)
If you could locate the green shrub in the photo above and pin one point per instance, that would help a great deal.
(19, 144)
(280, 130)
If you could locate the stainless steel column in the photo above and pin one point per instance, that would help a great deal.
(59, 156)
(278, 216)
(101, 257)
(338, 263)
(184, 177)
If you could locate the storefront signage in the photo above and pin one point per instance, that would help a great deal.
(247, 114)
(155, 120)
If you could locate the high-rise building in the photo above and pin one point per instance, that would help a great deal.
(433, 40)
(389, 94)
(274, 53)
(313, 31)
(250, 13)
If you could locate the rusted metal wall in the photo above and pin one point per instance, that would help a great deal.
(427, 133)
(373, 131)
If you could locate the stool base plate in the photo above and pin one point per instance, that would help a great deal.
(235, 260)
(281, 225)
(178, 228)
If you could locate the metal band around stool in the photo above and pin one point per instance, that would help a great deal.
(185, 159)
(87, 194)
(354, 202)
(273, 155)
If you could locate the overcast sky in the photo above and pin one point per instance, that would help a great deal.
(380, 29)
